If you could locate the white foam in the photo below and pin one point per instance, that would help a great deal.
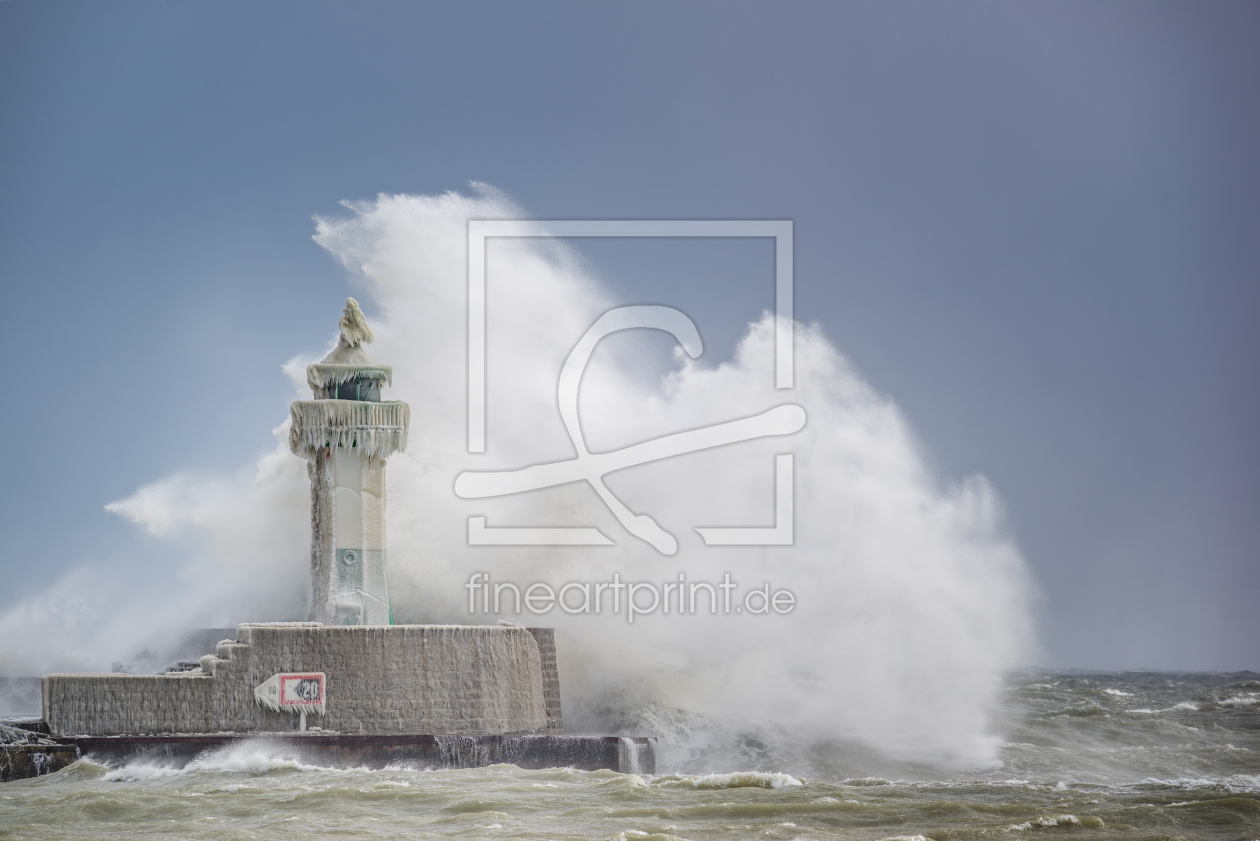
(1056, 820)
(139, 773)
(237, 760)
(1235, 783)
(1243, 782)
(737, 779)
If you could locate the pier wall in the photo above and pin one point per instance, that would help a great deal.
(546, 639)
(448, 679)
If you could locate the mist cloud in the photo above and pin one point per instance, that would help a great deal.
(911, 598)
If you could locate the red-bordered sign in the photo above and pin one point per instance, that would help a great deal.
(302, 690)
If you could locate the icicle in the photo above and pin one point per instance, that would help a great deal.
(438, 679)
(377, 429)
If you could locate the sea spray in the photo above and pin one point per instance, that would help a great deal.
(912, 599)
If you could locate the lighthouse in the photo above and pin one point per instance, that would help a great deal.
(346, 434)
(433, 695)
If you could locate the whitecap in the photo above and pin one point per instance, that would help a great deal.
(1056, 820)
(746, 779)
(237, 760)
(140, 773)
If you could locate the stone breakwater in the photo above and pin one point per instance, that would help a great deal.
(448, 679)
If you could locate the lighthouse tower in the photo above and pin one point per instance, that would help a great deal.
(345, 434)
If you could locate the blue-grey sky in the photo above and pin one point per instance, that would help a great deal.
(1035, 226)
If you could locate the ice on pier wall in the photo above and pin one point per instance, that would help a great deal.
(396, 679)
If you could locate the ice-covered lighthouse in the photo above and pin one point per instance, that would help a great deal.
(346, 434)
(425, 695)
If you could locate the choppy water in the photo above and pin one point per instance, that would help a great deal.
(1134, 756)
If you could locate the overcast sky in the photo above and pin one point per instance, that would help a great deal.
(1035, 226)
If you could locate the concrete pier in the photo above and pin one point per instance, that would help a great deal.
(388, 679)
(20, 762)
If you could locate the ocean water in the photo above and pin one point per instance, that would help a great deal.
(1082, 756)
